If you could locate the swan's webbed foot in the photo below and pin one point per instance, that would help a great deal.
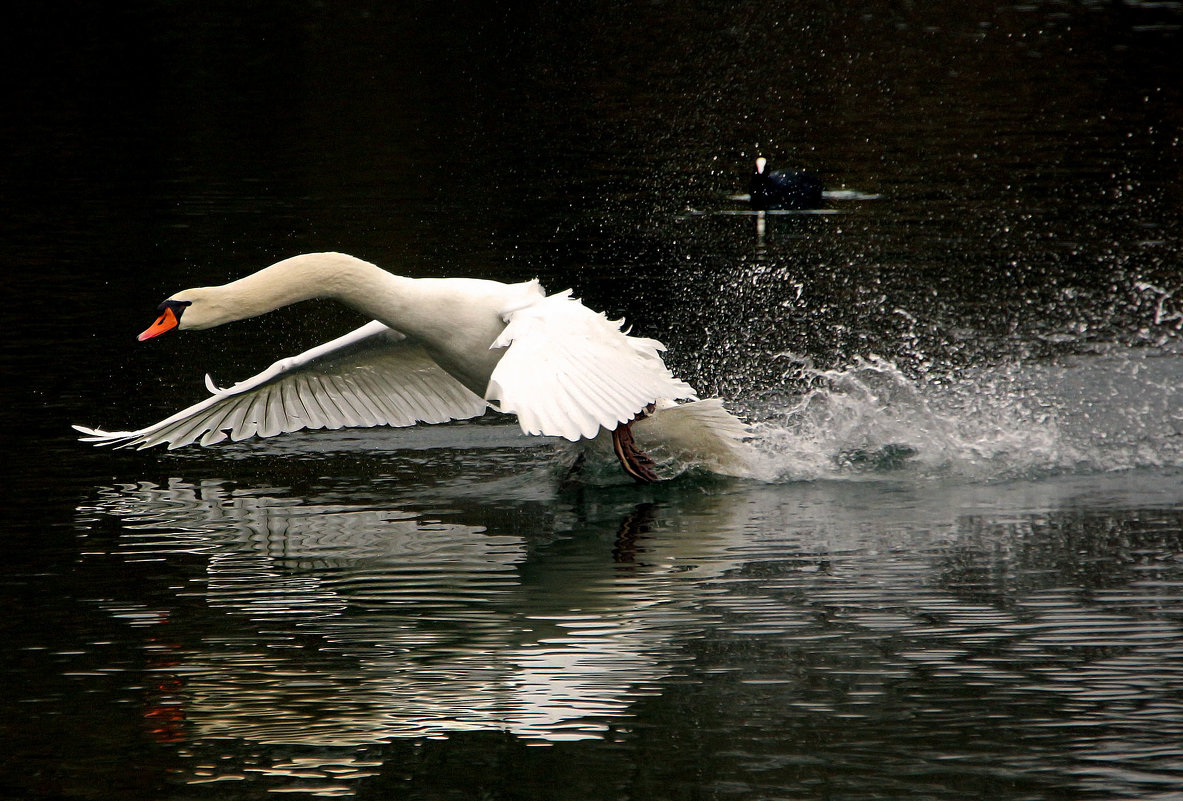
(635, 461)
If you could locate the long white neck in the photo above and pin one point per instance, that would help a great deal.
(455, 319)
(311, 275)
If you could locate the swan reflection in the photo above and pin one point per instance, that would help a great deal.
(337, 628)
(356, 624)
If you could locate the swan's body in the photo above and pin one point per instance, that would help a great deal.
(438, 349)
(783, 189)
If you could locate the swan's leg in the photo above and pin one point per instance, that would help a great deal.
(635, 461)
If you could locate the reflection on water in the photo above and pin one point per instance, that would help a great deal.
(428, 621)
(1021, 633)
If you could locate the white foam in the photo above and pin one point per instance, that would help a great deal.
(1099, 412)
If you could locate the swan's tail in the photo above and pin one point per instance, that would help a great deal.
(698, 434)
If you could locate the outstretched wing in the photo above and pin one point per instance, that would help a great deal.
(568, 371)
(371, 376)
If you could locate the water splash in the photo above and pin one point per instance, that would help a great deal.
(1096, 412)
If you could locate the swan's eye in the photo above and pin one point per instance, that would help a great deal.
(170, 311)
(177, 306)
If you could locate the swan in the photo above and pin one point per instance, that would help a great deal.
(441, 349)
(783, 189)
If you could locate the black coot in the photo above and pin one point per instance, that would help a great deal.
(783, 189)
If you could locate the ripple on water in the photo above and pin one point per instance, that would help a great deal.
(858, 619)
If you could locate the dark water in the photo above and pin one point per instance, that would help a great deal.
(959, 573)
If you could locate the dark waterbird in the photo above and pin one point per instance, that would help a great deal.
(783, 189)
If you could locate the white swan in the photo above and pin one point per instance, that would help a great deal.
(442, 349)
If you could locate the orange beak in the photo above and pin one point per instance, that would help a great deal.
(167, 321)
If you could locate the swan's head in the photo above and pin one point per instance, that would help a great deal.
(170, 317)
(761, 163)
(189, 310)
